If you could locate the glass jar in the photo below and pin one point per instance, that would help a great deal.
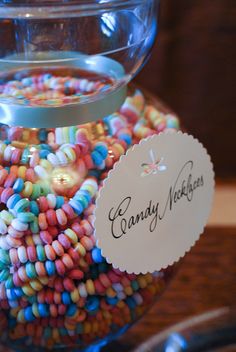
(65, 120)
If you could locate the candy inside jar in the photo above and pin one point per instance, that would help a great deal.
(56, 288)
(65, 120)
(55, 86)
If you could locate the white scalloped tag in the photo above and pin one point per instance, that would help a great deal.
(155, 203)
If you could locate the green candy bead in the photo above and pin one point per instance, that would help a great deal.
(30, 271)
(4, 257)
(9, 282)
(4, 274)
(36, 191)
(40, 253)
(34, 227)
(21, 205)
(25, 156)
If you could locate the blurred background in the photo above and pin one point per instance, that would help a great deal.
(193, 68)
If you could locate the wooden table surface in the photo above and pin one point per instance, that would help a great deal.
(206, 280)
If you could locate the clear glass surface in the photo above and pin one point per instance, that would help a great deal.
(56, 290)
(61, 36)
(213, 331)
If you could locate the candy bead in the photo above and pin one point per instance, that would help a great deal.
(25, 217)
(21, 205)
(3, 227)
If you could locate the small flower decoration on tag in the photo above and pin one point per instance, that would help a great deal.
(154, 167)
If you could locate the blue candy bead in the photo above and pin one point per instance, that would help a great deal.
(45, 146)
(50, 267)
(18, 185)
(102, 149)
(18, 291)
(92, 304)
(27, 81)
(43, 310)
(131, 302)
(29, 314)
(59, 202)
(42, 135)
(97, 255)
(21, 205)
(82, 200)
(78, 208)
(125, 137)
(97, 158)
(44, 153)
(66, 298)
(112, 300)
(12, 201)
(11, 294)
(71, 310)
(34, 208)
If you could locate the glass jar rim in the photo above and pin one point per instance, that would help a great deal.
(38, 9)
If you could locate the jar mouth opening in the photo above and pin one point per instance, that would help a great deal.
(39, 9)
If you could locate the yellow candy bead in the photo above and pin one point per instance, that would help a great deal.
(87, 327)
(69, 326)
(149, 278)
(26, 135)
(29, 240)
(55, 335)
(72, 235)
(65, 134)
(28, 189)
(44, 280)
(36, 285)
(90, 287)
(141, 281)
(21, 316)
(75, 296)
(46, 164)
(80, 249)
(70, 153)
(110, 292)
(128, 290)
(35, 310)
(14, 311)
(28, 290)
(22, 172)
(6, 217)
(120, 304)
